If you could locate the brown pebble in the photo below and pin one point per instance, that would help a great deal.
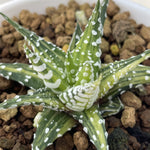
(147, 100)
(50, 11)
(112, 8)
(8, 39)
(35, 23)
(2, 132)
(88, 12)
(104, 46)
(69, 27)
(73, 4)
(5, 52)
(133, 141)
(5, 84)
(107, 27)
(28, 135)
(25, 18)
(138, 40)
(145, 33)
(80, 140)
(19, 146)
(14, 50)
(62, 8)
(70, 15)
(84, 6)
(48, 33)
(62, 40)
(113, 122)
(17, 35)
(121, 16)
(131, 100)
(9, 96)
(5, 24)
(28, 111)
(10, 128)
(125, 54)
(59, 29)
(64, 143)
(128, 118)
(145, 117)
(28, 123)
(58, 19)
(7, 143)
(129, 44)
(148, 45)
(2, 44)
(1, 31)
(108, 58)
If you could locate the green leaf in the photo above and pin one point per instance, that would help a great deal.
(87, 48)
(75, 37)
(111, 107)
(48, 59)
(140, 75)
(51, 126)
(80, 97)
(45, 98)
(94, 126)
(45, 49)
(22, 73)
(85, 74)
(112, 73)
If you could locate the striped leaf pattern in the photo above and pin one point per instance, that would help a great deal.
(111, 107)
(119, 71)
(94, 126)
(21, 73)
(48, 60)
(140, 75)
(81, 97)
(45, 98)
(51, 126)
(73, 82)
(87, 48)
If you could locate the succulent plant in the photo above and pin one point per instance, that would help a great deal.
(70, 85)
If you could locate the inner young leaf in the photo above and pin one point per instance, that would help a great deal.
(87, 48)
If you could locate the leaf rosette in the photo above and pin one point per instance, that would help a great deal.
(69, 85)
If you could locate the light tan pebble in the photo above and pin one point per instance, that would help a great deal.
(128, 118)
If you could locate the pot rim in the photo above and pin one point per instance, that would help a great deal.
(13, 7)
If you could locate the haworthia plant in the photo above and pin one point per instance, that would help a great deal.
(69, 85)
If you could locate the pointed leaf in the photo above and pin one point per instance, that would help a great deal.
(45, 98)
(111, 107)
(45, 49)
(80, 97)
(140, 75)
(114, 72)
(47, 59)
(94, 126)
(50, 76)
(51, 126)
(87, 49)
(22, 73)
(75, 37)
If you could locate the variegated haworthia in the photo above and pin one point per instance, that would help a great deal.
(68, 85)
